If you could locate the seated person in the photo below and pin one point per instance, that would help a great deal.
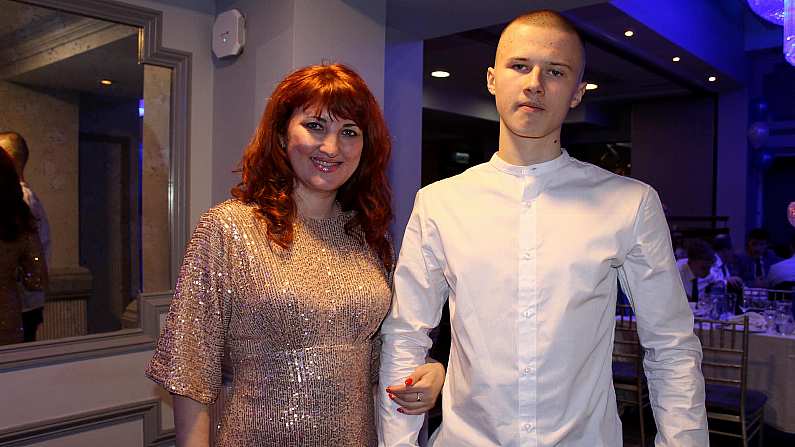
(782, 274)
(755, 263)
(699, 269)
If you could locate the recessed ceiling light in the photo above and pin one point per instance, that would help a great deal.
(676, 59)
(106, 82)
(712, 79)
(629, 33)
(440, 74)
(590, 86)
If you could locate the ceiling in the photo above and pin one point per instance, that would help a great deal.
(625, 69)
(25, 26)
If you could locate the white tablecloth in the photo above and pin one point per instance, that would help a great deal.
(771, 369)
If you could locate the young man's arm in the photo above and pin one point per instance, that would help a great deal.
(665, 327)
(420, 294)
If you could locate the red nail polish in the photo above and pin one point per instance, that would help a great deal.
(392, 396)
(409, 381)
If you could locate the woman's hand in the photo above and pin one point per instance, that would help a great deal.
(418, 394)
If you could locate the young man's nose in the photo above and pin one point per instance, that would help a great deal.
(533, 82)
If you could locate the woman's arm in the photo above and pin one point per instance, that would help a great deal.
(192, 422)
(425, 382)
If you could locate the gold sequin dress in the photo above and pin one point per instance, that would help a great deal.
(291, 332)
(21, 261)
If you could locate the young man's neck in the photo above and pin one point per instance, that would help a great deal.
(524, 151)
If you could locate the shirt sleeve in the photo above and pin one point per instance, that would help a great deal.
(420, 291)
(673, 355)
(189, 355)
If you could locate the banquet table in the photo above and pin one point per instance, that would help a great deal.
(771, 369)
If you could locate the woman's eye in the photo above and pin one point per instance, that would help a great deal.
(312, 125)
(350, 133)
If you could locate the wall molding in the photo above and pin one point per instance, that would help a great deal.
(151, 51)
(125, 341)
(149, 411)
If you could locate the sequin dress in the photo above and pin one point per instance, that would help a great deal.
(293, 332)
(21, 260)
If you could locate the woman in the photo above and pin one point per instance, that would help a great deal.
(22, 260)
(283, 288)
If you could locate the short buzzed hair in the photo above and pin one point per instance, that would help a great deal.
(552, 19)
(18, 148)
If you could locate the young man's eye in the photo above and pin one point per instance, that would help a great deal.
(555, 73)
(519, 67)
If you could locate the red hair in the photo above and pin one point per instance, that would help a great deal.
(268, 178)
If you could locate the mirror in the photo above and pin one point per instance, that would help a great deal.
(97, 126)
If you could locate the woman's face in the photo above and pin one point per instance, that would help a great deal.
(323, 152)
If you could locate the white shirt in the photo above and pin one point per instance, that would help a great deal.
(783, 271)
(34, 299)
(529, 258)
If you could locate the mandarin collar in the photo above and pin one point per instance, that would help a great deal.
(530, 170)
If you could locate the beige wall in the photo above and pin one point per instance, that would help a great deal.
(49, 124)
(156, 136)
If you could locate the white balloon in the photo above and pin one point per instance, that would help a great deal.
(791, 213)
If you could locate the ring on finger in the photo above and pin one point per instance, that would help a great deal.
(419, 397)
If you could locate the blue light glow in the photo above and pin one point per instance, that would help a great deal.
(789, 31)
(140, 108)
(770, 10)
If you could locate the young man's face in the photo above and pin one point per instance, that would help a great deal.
(536, 79)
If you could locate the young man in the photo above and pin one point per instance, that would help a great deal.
(32, 301)
(527, 248)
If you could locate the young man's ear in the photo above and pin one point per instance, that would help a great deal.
(575, 100)
(490, 80)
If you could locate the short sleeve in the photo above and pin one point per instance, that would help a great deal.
(189, 354)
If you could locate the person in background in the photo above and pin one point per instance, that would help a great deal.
(726, 262)
(32, 300)
(21, 259)
(782, 274)
(699, 269)
(754, 264)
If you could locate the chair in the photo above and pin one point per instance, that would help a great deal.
(725, 368)
(629, 381)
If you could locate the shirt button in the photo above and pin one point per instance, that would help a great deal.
(527, 371)
(528, 427)
(528, 313)
(526, 255)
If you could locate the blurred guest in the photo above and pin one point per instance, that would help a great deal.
(755, 263)
(32, 301)
(726, 260)
(698, 270)
(21, 259)
(782, 274)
